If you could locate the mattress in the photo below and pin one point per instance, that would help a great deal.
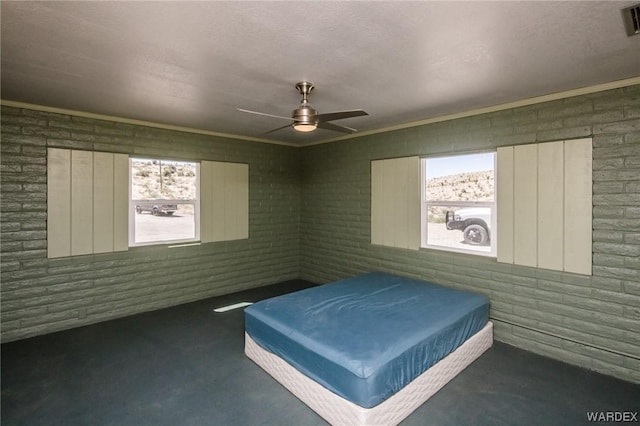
(338, 411)
(367, 337)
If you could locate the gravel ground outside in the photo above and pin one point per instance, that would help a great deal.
(149, 228)
(439, 235)
(180, 226)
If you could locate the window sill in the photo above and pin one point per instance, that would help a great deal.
(488, 253)
(167, 244)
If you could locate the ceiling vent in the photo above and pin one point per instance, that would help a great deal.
(631, 17)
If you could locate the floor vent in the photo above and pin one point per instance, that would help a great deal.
(631, 17)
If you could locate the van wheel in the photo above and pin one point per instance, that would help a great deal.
(476, 235)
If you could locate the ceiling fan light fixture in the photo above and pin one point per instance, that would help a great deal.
(306, 119)
(305, 127)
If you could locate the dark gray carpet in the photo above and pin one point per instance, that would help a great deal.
(185, 366)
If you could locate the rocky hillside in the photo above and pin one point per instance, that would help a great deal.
(154, 179)
(169, 180)
(476, 186)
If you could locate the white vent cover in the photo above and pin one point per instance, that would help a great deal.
(631, 17)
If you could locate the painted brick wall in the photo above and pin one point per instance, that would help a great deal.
(309, 218)
(41, 295)
(602, 310)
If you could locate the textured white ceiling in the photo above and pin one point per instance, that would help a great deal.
(192, 64)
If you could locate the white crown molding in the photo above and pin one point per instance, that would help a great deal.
(501, 107)
(115, 119)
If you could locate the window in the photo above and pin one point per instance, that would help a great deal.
(542, 193)
(459, 205)
(100, 202)
(164, 201)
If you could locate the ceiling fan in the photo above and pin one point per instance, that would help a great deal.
(306, 118)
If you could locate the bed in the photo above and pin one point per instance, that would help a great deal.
(368, 349)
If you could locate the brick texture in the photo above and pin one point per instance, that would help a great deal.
(310, 218)
(41, 295)
(602, 310)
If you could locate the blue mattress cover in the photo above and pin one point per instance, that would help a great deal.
(364, 338)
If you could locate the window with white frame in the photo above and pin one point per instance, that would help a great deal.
(100, 202)
(459, 203)
(164, 201)
(542, 192)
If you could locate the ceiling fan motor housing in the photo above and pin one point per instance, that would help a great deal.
(304, 114)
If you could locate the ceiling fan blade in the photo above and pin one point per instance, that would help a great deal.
(340, 115)
(262, 113)
(279, 128)
(335, 127)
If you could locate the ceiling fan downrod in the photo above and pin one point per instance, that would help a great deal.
(304, 88)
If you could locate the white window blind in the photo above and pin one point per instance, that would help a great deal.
(544, 194)
(224, 204)
(395, 202)
(87, 199)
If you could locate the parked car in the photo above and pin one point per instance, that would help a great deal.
(474, 222)
(156, 207)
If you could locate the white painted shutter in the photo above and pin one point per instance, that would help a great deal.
(58, 202)
(505, 204)
(545, 205)
(550, 205)
(578, 206)
(103, 211)
(121, 181)
(87, 199)
(525, 218)
(224, 201)
(395, 202)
